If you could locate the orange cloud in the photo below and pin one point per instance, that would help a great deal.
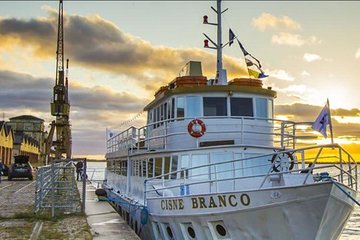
(266, 20)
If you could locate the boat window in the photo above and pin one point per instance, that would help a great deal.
(270, 108)
(202, 172)
(180, 107)
(166, 166)
(162, 113)
(173, 168)
(155, 117)
(143, 168)
(151, 168)
(168, 114)
(215, 106)
(185, 164)
(135, 168)
(225, 170)
(241, 107)
(193, 106)
(256, 166)
(158, 166)
(158, 109)
(173, 108)
(238, 165)
(123, 168)
(261, 107)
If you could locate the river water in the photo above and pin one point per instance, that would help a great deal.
(96, 172)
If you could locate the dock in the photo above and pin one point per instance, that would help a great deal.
(105, 223)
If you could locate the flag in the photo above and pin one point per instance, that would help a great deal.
(252, 62)
(231, 37)
(322, 121)
(109, 134)
(256, 74)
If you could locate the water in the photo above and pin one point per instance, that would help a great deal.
(96, 173)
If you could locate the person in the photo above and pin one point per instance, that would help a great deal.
(1, 169)
(79, 167)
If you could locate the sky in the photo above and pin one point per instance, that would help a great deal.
(121, 52)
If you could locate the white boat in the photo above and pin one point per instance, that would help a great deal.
(213, 163)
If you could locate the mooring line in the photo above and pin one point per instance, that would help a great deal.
(24, 187)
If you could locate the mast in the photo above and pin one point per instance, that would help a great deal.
(221, 76)
(219, 70)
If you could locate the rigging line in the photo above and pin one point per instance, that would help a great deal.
(132, 119)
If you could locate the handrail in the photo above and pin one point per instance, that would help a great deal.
(132, 137)
(350, 180)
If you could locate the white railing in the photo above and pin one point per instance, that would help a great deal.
(340, 165)
(158, 135)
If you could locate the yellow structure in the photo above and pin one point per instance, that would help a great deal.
(6, 143)
(26, 145)
(32, 127)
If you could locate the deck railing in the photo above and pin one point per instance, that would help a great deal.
(282, 134)
(340, 165)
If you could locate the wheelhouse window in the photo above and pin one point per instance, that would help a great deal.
(215, 106)
(180, 107)
(193, 106)
(242, 107)
(270, 109)
(261, 108)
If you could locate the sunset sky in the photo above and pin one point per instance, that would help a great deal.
(121, 52)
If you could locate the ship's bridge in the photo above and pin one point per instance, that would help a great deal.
(190, 112)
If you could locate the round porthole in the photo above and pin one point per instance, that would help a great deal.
(221, 230)
(191, 232)
(169, 232)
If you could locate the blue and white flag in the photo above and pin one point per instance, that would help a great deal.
(322, 121)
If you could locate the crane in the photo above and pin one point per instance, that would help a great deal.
(60, 105)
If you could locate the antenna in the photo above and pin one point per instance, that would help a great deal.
(221, 76)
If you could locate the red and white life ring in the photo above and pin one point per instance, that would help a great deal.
(193, 128)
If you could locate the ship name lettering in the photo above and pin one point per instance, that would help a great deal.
(220, 201)
(172, 204)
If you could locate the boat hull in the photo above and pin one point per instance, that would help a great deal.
(317, 211)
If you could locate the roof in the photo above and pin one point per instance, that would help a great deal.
(7, 128)
(212, 88)
(26, 117)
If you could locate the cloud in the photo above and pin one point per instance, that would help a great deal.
(307, 113)
(94, 42)
(357, 54)
(309, 57)
(25, 91)
(305, 73)
(266, 20)
(296, 40)
(280, 74)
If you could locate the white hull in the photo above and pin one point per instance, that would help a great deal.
(317, 211)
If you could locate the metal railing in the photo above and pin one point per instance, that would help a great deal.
(56, 188)
(156, 135)
(345, 171)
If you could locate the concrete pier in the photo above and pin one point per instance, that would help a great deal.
(104, 221)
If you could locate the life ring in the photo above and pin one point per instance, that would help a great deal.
(276, 166)
(196, 133)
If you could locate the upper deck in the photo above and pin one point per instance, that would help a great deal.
(240, 113)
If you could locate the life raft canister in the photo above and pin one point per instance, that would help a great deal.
(193, 128)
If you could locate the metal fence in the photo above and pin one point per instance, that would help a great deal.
(56, 188)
